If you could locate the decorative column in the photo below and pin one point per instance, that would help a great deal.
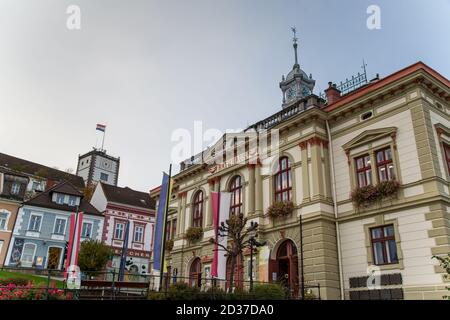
(209, 212)
(305, 171)
(316, 167)
(251, 189)
(258, 190)
(183, 196)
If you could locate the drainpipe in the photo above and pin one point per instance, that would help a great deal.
(335, 209)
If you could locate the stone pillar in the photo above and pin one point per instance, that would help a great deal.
(251, 189)
(258, 190)
(183, 213)
(179, 214)
(316, 168)
(305, 171)
(209, 211)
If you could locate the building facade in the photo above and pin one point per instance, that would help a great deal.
(40, 177)
(41, 231)
(367, 172)
(13, 186)
(96, 166)
(121, 206)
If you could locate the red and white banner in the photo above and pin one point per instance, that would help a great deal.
(221, 202)
(74, 240)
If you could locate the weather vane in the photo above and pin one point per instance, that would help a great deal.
(294, 30)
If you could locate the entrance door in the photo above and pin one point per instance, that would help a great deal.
(54, 255)
(195, 273)
(287, 267)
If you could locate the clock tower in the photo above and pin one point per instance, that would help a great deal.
(297, 83)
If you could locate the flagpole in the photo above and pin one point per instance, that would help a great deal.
(166, 209)
(103, 140)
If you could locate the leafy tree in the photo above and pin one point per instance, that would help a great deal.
(93, 256)
(88, 191)
(235, 229)
(444, 262)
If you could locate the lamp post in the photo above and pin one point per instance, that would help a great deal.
(253, 243)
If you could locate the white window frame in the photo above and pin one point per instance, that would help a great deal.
(40, 224)
(14, 186)
(58, 195)
(65, 225)
(142, 233)
(107, 176)
(123, 230)
(8, 215)
(34, 252)
(70, 204)
(92, 229)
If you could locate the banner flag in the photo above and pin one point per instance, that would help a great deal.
(221, 202)
(123, 258)
(100, 127)
(76, 222)
(160, 225)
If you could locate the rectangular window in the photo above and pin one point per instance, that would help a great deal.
(103, 176)
(118, 230)
(15, 188)
(72, 201)
(86, 231)
(60, 198)
(60, 226)
(138, 233)
(384, 246)
(363, 171)
(385, 166)
(3, 219)
(447, 156)
(28, 254)
(174, 228)
(35, 223)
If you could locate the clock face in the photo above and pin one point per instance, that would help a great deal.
(305, 91)
(291, 92)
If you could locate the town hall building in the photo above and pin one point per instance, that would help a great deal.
(366, 167)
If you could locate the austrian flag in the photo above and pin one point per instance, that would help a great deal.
(101, 127)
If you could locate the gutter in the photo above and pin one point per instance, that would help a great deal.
(335, 209)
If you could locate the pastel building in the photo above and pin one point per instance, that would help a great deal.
(42, 227)
(13, 187)
(119, 207)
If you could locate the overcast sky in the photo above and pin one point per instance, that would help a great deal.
(146, 68)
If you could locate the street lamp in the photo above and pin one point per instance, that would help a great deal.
(253, 243)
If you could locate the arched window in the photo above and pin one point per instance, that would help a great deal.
(283, 180)
(236, 195)
(195, 273)
(197, 214)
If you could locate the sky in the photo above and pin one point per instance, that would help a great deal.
(147, 68)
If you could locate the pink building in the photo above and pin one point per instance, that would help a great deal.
(120, 205)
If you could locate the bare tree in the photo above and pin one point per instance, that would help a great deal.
(235, 229)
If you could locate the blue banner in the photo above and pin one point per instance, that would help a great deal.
(160, 227)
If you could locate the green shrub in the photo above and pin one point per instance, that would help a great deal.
(280, 209)
(182, 291)
(154, 295)
(194, 233)
(268, 291)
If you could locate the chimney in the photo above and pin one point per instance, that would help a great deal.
(333, 94)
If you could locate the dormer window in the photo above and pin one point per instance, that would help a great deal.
(15, 188)
(72, 201)
(60, 198)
